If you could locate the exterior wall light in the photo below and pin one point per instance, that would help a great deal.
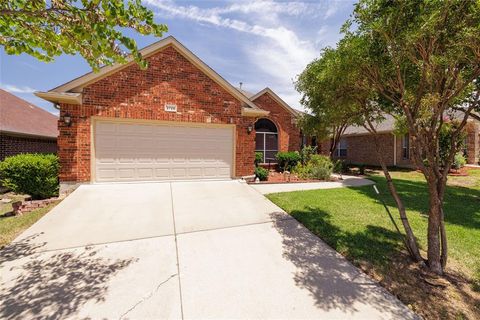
(250, 128)
(67, 119)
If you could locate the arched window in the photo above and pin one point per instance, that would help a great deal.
(266, 140)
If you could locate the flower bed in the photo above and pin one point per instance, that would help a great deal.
(286, 177)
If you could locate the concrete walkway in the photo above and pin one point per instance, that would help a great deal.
(348, 181)
(180, 250)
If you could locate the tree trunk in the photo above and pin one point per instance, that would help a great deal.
(443, 238)
(411, 242)
(434, 248)
(437, 240)
(410, 237)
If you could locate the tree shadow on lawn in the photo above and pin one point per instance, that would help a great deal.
(461, 205)
(332, 281)
(52, 285)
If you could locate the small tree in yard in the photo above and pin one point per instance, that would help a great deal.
(423, 57)
(418, 61)
(322, 85)
(92, 28)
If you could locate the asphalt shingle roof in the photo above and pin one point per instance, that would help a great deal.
(20, 116)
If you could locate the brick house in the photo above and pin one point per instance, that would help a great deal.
(357, 145)
(177, 119)
(25, 128)
(278, 131)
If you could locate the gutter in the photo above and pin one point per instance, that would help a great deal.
(60, 97)
(27, 135)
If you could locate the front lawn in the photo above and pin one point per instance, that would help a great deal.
(354, 222)
(12, 226)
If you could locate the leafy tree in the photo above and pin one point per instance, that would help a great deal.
(321, 85)
(337, 92)
(332, 89)
(415, 60)
(422, 58)
(92, 28)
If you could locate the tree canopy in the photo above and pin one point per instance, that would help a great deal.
(418, 61)
(322, 86)
(91, 28)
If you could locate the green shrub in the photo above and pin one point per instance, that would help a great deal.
(319, 167)
(302, 171)
(32, 174)
(322, 167)
(287, 160)
(459, 161)
(361, 169)
(258, 158)
(306, 154)
(340, 166)
(261, 173)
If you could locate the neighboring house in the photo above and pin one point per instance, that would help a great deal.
(357, 145)
(178, 119)
(25, 128)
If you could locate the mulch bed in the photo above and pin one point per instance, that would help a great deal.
(279, 177)
(462, 172)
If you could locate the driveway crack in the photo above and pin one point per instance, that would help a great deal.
(148, 296)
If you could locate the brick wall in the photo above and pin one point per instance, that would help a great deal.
(11, 145)
(401, 162)
(288, 133)
(473, 142)
(361, 149)
(142, 94)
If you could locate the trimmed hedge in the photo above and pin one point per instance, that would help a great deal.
(319, 167)
(261, 173)
(459, 161)
(258, 158)
(287, 160)
(32, 174)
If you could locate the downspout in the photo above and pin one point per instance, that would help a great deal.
(394, 150)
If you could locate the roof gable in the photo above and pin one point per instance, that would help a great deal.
(21, 117)
(275, 97)
(72, 89)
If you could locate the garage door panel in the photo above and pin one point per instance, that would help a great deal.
(145, 152)
(162, 173)
(106, 174)
(126, 173)
(145, 172)
(195, 172)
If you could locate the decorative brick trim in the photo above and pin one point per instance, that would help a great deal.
(21, 207)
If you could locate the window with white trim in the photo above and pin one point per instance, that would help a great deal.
(406, 147)
(341, 148)
(266, 140)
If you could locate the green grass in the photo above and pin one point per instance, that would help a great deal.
(354, 222)
(12, 226)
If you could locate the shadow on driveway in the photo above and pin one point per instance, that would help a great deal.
(53, 285)
(330, 278)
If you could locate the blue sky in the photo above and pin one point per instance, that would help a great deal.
(259, 43)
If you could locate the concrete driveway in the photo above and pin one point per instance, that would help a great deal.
(180, 250)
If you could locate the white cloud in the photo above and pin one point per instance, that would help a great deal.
(275, 48)
(16, 89)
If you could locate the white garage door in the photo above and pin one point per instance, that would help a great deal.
(128, 151)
